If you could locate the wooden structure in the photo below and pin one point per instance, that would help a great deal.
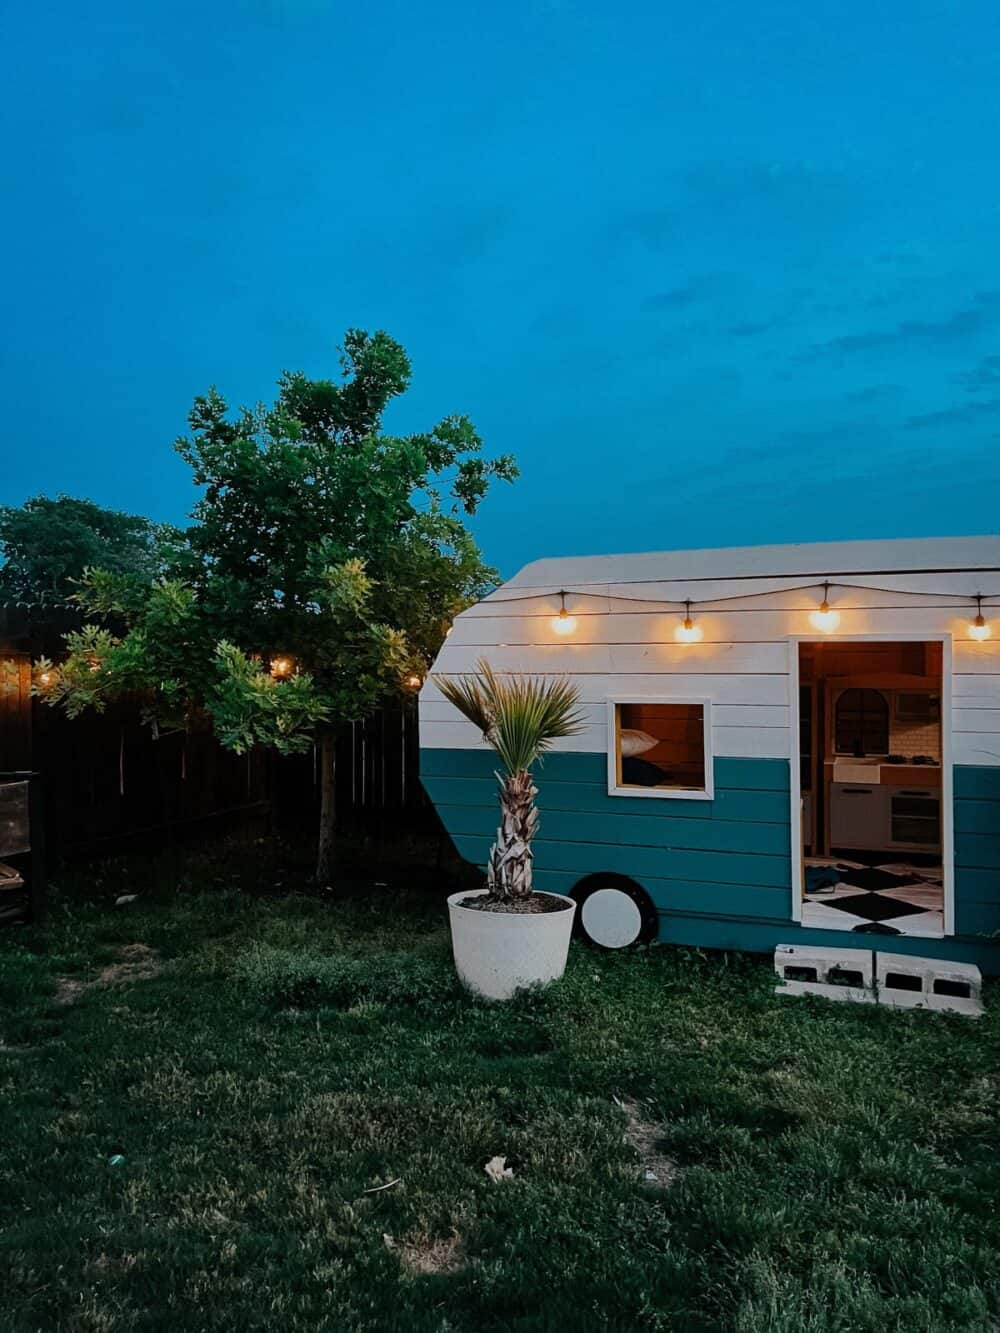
(716, 858)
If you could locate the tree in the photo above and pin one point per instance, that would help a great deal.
(324, 565)
(47, 544)
(519, 717)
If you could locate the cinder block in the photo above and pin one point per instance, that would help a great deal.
(908, 982)
(833, 974)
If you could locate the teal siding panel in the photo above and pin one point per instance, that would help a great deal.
(979, 918)
(976, 885)
(708, 835)
(976, 783)
(977, 850)
(737, 774)
(753, 774)
(977, 816)
(741, 805)
(668, 895)
(639, 862)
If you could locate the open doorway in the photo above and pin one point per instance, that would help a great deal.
(872, 768)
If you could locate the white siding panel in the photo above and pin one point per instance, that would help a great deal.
(751, 742)
(723, 715)
(982, 748)
(721, 689)
(736, 742)
(975, 719)
(572, 658)
(763, 624)
(972, 658)
(975, 691)
(436, 734)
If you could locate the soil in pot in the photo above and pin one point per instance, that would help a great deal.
(533, 905)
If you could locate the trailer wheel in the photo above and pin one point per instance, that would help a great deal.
(614, 912)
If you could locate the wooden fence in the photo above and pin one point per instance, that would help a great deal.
(109, 786)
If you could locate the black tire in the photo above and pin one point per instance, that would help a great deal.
(648, 926)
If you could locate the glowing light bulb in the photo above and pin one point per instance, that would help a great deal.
(45, 678)
(825, 618)
(563, 623)
(980, 628)
(281, 668)
(688, 631)
(413, 682)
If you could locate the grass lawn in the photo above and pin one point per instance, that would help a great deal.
(262, 1064)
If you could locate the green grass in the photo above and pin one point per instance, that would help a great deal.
(838, 1167)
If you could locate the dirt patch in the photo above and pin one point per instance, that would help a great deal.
(423, 1256)
(655, 1167)
(136, 962)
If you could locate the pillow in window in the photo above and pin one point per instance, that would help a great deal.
(635, 742)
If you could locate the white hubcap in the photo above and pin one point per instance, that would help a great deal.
(611, 918)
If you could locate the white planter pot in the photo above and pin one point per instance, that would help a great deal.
(498, 953)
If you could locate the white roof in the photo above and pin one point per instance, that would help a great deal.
(923, 555)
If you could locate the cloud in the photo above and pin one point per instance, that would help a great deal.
(731, 182)
(954, 416)
(962, 324)
(985, 376)
(671, 300)
(874, 393)
(750, 328)
(653, 227)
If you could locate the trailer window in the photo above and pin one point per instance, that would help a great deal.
(660, 748)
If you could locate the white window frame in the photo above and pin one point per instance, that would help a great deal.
(706, 793)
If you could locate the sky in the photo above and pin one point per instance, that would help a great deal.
(716, 272)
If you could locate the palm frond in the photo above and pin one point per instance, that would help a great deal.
(520, 716)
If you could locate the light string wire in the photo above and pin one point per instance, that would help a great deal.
(678, 604)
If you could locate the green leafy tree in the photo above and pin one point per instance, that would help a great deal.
(324, 565)
(46, 544)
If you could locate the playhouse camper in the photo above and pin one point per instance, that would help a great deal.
(783, 745)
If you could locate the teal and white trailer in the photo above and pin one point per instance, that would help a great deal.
(782, 744)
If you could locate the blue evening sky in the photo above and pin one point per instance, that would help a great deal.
(717, 272)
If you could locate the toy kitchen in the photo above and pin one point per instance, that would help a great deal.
(873, 783)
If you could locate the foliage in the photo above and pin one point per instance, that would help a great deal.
(520, 716)
(47, 544)
(837, 1165)
(317, 539)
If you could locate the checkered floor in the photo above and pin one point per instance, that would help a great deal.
(887, 898)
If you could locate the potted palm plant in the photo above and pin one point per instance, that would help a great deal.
(508, 935)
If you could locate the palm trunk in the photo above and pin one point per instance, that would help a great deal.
(508, 875)
(327, 810)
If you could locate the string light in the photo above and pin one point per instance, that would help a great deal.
(979, 629)
(281, 668)
(563, 623)
(45, 678)
(688, 632)
(412, 682)
(825, 618)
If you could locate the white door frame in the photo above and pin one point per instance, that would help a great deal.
(947, 799)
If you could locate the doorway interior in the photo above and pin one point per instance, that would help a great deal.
(872, 781)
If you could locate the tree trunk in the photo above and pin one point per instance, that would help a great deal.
(508, 875)
(327, 809)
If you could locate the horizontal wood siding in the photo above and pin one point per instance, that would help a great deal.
(708, 856)
(977, 850)
(719, 872)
